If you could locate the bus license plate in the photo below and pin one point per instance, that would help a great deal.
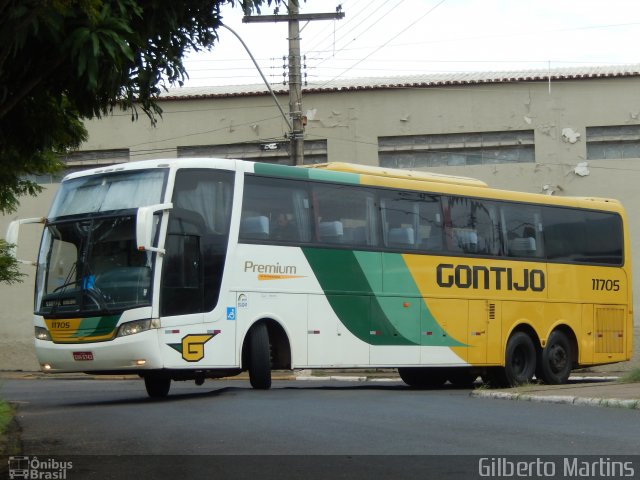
(82, 356)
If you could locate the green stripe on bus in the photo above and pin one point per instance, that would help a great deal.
(400, 282)
(286, 171)
(97, 326)
(352, 283)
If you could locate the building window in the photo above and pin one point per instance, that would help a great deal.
(614, 142)
(455, 149)
(315, 151)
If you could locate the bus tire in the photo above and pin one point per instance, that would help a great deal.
(157, 385)
(520, 360)
(422, 377)
(259, 357)
(556, 359)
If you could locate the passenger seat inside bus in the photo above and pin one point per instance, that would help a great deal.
(254, 227)
(331, 232)
(522, 246)
(401, 237)
(356, 236)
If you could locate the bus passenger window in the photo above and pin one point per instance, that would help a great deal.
(472, 226)
(522, 226)
(345, 215)
(274, 211)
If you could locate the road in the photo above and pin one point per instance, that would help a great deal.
(114, 417)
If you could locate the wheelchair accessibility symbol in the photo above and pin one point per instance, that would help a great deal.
(231, 313)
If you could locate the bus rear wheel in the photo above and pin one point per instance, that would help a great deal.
(556, 359)
(259, 357)
(422, 377)
(157, 386)
(520, 360)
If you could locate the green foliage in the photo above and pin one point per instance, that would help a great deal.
(7, 445)
(62, 61)
(9, 267)
(631, 377)
(5, 415)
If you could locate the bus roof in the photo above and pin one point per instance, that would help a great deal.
(400, 174)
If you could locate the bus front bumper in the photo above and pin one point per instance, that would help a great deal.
(131, 353)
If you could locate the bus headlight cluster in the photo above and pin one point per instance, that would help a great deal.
(131, 328)
(42, 334)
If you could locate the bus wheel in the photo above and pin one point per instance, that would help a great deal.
(157, 386)
(259, 358)
(555, 361)
(520, 360)
(422, 377)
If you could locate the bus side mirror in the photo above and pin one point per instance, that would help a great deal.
(144, 226)
(13, 233)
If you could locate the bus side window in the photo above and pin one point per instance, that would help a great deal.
(522, 229)
(584, 236)
(274, 211)
(472, 226)
(399, 220)
(430, 224)
(345, 214)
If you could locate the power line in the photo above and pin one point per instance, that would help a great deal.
(389, 41)
(351, 30)
(350, 19)
(383, 16)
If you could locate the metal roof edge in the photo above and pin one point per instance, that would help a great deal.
(412, 81)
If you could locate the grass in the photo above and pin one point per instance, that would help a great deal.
(6, 415)
(631, 377)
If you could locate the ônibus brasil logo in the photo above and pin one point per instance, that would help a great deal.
(37, 469)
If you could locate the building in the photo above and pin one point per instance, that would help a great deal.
(560, 132)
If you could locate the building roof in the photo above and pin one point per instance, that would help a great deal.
(412, 81)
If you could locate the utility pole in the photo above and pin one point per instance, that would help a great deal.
(295, 74)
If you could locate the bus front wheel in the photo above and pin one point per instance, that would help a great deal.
(556, 359)
(259, 358)
(157, 386)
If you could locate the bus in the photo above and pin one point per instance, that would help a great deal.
(188, 269)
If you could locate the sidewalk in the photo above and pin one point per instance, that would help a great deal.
(592, 391)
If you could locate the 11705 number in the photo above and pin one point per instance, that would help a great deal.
(601, 284)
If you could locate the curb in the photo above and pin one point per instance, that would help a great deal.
(339, 378)
(561, 399)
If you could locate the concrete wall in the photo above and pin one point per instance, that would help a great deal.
(352, 121)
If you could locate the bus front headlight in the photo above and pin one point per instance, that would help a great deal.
(42, 334)
(131, 328)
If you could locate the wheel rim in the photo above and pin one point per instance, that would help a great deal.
(519, 361)
(557, 358)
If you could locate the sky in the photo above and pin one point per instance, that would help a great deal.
(414, 37)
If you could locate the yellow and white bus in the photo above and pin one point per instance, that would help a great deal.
(202, 268)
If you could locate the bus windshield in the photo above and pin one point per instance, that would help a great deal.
(89, 263)
(109, 192)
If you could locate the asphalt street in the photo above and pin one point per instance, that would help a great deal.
(301, 429)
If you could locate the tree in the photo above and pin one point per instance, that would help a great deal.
(62, 61)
